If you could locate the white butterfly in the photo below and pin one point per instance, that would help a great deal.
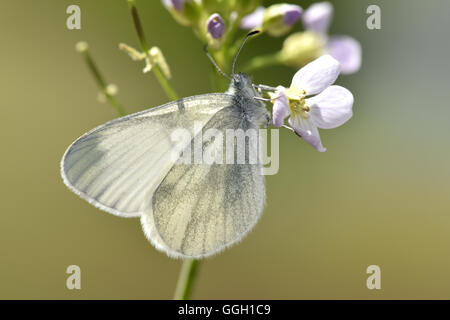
(126, 167)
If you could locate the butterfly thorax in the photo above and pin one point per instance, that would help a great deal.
(244, 94)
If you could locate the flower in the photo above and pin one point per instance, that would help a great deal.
(346, 50)
(318, 17)
(276, 20)
(291, 14)
(312, 101)
(176, 4)
(185, 12)
(215, 26)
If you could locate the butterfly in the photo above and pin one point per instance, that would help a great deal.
(188, 210)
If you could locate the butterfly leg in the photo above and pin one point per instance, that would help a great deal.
(264, 87)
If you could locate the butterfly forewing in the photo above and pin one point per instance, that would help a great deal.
(118, 166)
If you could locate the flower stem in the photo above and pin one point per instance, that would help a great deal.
(138, 26)
(164, 82)
(82, 47)
(160, 76)
(186, 279)
(262, 62)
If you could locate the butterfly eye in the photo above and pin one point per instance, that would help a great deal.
(237, 80)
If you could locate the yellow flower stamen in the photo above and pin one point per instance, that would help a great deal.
(297, 102)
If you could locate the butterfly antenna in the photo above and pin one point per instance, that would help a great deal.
(240, 48)
(214, 63)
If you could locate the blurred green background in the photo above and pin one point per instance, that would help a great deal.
(379, 195)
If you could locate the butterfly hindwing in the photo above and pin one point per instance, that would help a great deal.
(200, 209)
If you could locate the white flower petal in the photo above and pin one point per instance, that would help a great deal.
(280, 107)
(308, 131)
(318, 16)
(316, 76)
(347, 51)
(331, 108)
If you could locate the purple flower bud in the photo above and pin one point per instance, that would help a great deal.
(215, 26)
(292, 14)
(280, 18)
(176, 4)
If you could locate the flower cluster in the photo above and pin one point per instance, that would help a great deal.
(216, 23)
(303, 47)
(213, 21)
(312, 101)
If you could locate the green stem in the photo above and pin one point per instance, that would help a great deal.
(138, 26)
(160, 76)
(186, 279)
(262, 62)
(83, 49)
(164, 82)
